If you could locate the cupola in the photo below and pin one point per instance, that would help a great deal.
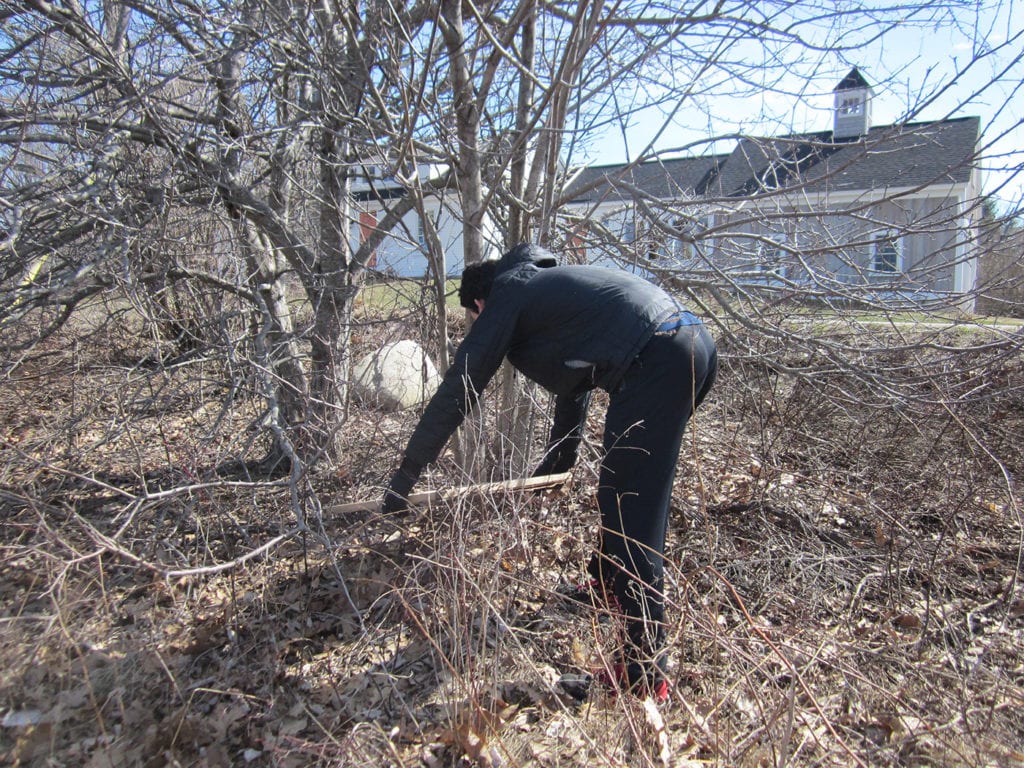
(852, 106)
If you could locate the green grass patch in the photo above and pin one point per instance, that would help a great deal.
(406, 293)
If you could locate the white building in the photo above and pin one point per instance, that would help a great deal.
(891, 209)
(404, 252)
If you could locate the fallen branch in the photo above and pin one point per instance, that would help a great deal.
(438, 495)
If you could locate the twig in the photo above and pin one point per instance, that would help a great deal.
(789, 664)
(108, 544)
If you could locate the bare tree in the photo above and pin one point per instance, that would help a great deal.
(185, 274)
(203, 158)
(258, 111)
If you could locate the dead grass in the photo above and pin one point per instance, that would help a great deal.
(844, 589)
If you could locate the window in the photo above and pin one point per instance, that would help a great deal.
(886, 255)
(771, 255)
(688, 248)
(680, 250)
(850, 105)
(654, 243)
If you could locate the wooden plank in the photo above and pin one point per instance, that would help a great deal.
(442, 494)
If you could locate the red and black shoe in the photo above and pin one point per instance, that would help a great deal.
(642, 683)
(592, 593)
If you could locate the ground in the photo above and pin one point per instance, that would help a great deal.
(843, 587)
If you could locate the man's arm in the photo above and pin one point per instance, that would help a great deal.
(476, 361)
(566, 433)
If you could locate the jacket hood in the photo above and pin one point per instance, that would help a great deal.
(526, 253)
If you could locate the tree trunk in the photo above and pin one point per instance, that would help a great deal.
(329, 376)
(277, 352)
(470, 185)
(283, 377)
(519, 219)
(332, 294)
(467, 118)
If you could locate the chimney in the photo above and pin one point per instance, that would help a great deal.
(852, 106)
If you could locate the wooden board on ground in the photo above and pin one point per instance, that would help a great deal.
(437, 495)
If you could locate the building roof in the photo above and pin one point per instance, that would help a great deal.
(899, 156)
(684, 177)
(854, 80)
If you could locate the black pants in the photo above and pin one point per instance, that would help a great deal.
(647, 415)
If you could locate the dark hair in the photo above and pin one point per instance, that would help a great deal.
(476, 282)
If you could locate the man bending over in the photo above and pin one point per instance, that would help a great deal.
(573, 329)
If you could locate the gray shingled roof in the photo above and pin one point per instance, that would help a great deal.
(662, 179)
(907, 155)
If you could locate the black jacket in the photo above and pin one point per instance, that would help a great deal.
(569, 328)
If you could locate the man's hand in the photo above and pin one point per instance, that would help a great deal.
(556, 462)
(396, 498)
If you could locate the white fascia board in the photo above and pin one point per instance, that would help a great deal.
(825, 200)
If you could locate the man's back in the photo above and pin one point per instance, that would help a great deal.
(575, 317)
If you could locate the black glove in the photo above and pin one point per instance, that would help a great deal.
(559, 460)
(566, 432)
(396, 498)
